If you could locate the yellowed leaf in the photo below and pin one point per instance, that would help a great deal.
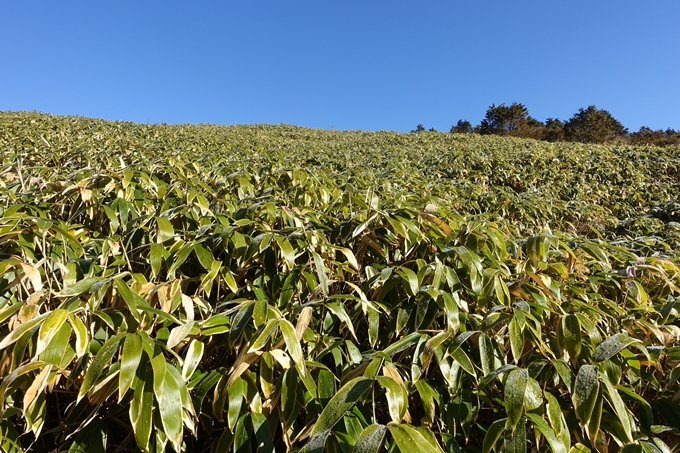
(304, 318)
(281, 357)
(33, 274)
(37, 387)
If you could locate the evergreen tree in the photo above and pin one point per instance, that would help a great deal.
(504, 120)
(462, 127)
(593, 125)
(554, 130)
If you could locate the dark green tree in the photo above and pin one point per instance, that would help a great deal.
(554, 130)
(462, 127)
(647, 136)
(504, 120)
(593, 125)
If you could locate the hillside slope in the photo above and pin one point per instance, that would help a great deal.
(276, 288)
(620, 190)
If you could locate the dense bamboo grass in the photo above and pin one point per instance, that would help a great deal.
(275, 288)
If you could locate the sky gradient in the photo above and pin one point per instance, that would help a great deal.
(371, 65)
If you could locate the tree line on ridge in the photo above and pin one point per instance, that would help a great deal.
(589, 125)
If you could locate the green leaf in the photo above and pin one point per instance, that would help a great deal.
(158, 363)
(321, 272)
(579, 448)
(586, 386)
(515, 387)
(171, 410)
(646, 413)
(564, 373)
(165, 229)
(235, 396)
(373, 325)
(59, 351)
(402, 344)
(179, 258)
(396, 397)
(486, 353)
(132, 354)
(495, 373)
(179, 333)
(49, 327)
(204, 256)
(265, 334)
(619, 407)
(463, 360)
(557, 420)
(22, 329)
(409, 440)
(292, 343)
(287, 251)
(473, 266)
(262, 433)
(370, 440)
(428, 395)
(339, 311)
(493, 434)
(533, 396)
(80, 287)
(11, 377)
(515, 440)
(215, 325)
(661, 445)
(571, 328)
(326, 386)
(100, 361)
(260, 308)
(516, 338)
(593, 427)
(91, 439)
(501, 290)
(556, 445)
(666, 407)
(337, 407)
(156, 257)
(631, 448)
(410, 278)
(82, 340)
(142, 407)
(612, 346)
(7, 312)
(192, 359)
(229, 280)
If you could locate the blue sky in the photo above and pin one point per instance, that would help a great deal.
(373, 65)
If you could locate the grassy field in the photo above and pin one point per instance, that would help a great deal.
(276, 288)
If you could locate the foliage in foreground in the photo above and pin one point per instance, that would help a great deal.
(151, 302)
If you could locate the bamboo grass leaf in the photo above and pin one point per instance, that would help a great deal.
(82, 340)
(130, 358)
(337, 407)
(584, 395)
(100, 361)
(396, 398)
(49, 327)
(408, 439)
(515, 387)
(370, 440)
(612, 346)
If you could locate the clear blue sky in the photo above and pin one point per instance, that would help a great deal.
(373, 65)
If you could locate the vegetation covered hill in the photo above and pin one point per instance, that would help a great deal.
(210, 288)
